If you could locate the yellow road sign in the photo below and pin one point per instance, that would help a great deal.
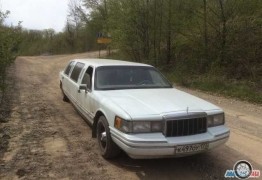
(104, 40)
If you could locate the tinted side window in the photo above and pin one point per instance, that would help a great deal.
(68, 68)
(76, 71)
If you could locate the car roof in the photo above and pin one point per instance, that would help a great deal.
(108, 62)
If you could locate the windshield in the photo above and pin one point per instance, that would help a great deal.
(129, 77)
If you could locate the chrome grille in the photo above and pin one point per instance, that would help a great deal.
(185, 127)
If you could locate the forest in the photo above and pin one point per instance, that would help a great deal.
(211, 45)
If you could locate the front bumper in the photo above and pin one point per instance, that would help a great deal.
(156, 145)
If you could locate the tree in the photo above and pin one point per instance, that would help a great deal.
(9, 39)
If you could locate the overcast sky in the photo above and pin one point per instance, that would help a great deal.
(36, 14)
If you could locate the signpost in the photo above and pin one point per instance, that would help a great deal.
(103, 39)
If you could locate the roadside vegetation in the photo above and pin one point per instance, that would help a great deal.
(8, 50)
(211, 45)
(219, 85)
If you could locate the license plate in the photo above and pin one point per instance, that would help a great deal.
(191, 148)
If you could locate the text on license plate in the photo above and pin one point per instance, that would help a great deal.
(191, 148)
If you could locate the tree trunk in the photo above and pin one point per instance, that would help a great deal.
(154, 38)
(223, 33)
(168, 53)
(203, 68)
(160, 29)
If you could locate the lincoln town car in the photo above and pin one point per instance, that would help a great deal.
(132, 107)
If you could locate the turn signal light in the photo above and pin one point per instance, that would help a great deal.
(118, 122)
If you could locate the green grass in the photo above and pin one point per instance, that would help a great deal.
(242, 90)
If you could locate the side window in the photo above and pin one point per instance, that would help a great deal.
(87, 78)
(68, 68)
(76, 71)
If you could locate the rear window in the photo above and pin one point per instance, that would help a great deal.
(68, 68)
(76, 71)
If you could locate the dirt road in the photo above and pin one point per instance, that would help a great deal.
(49, 140)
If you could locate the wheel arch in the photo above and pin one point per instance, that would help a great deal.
(99, 113)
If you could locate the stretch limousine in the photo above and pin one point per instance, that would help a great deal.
(132, 107)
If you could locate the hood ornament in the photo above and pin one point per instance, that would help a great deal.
(187, 108)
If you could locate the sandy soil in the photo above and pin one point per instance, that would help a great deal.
(49, 140)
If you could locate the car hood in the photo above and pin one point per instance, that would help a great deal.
(145, 102)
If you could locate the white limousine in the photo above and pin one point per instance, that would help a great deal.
(132, 107)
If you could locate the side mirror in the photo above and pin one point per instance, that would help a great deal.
(82, 87)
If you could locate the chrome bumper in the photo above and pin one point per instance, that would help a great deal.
(156, 145)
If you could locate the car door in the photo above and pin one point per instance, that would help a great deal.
(66, 77)
(86, 96)
(73, 88)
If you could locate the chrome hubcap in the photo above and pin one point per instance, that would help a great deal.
(103, 137)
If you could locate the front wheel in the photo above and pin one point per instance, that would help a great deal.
(107, 147)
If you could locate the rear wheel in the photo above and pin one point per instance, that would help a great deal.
(107, 147)
(65, 98)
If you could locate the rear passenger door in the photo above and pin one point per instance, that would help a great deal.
(74, 86)
(66, 78)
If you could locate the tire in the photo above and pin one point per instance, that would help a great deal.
(107, 147)
(65, 98)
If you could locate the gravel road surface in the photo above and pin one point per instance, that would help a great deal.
(49, 140)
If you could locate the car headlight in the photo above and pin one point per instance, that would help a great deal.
(138, 126)
(141, 126)
(215, 120)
